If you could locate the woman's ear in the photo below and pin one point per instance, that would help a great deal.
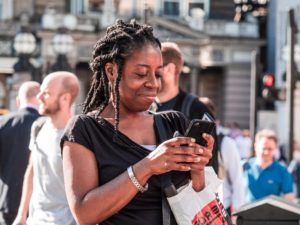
(111, 71)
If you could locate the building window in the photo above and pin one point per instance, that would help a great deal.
(171, 8)
(6, 9)
(1, 5)
(184, 8)
(195, 6)
(198, 4)
(77, 6)
(89, 6)
(95, 5)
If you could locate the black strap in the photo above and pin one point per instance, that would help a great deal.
(165, 178)
(160, 128)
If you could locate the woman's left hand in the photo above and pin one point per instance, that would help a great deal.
(205, 154)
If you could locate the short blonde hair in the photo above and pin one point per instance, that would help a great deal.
(266, 133)
(28, 91)
(171, 54)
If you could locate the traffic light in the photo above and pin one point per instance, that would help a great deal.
(268, 91)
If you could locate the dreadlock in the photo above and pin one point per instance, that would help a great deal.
(119, 43)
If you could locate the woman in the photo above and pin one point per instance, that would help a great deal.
(112, 155)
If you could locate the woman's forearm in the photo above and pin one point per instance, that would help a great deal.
(102, 202)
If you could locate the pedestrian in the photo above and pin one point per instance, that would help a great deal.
(114, 154)
(235, 130)
(294, 169)
(14, 140)
(263, 175)
(172, 97)
(244, 144)
(43, 194)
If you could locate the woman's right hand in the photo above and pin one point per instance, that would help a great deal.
(175, 154)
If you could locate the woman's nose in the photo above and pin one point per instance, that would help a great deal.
(153, 81)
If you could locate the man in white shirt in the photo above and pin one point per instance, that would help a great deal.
(43, 188)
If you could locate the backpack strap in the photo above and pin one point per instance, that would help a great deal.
(166, 183)
(38, 124)
(187, 103)
(160, 127)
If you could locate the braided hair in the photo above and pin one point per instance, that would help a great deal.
(119, 43)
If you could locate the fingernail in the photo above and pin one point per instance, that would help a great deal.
(193, 139)
(197, 159)
(200, 151)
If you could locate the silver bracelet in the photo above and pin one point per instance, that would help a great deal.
(135, 181)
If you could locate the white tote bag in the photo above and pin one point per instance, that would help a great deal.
(200, 208)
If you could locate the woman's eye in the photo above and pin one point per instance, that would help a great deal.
(141, 74)
(158, 75)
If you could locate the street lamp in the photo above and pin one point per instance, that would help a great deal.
(24, 45)
(62, 44)
(258, 8)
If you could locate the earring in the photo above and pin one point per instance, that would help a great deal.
(112, 97)
(109, 87)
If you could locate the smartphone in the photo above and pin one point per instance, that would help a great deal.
(197, 127)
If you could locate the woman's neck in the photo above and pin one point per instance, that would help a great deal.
(109, 113)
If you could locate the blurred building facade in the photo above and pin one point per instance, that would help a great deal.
(217, 51)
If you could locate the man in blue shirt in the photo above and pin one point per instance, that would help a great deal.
(263, 175)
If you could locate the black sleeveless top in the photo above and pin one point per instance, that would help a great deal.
(113, 157)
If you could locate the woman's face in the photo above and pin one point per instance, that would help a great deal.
(140, 81)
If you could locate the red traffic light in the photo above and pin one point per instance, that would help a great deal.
(269, 80)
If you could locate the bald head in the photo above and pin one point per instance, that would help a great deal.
(27, 93)
(66, 81)
(171, 54)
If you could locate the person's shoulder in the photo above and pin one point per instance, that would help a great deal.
(280, 166)
(6, 118)
(228, 141)
(39, 122)
(247, 164)
(85, 120)
(29, 109)
(201, 110)
(81, 118)
(226, 138)
(9, 118)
